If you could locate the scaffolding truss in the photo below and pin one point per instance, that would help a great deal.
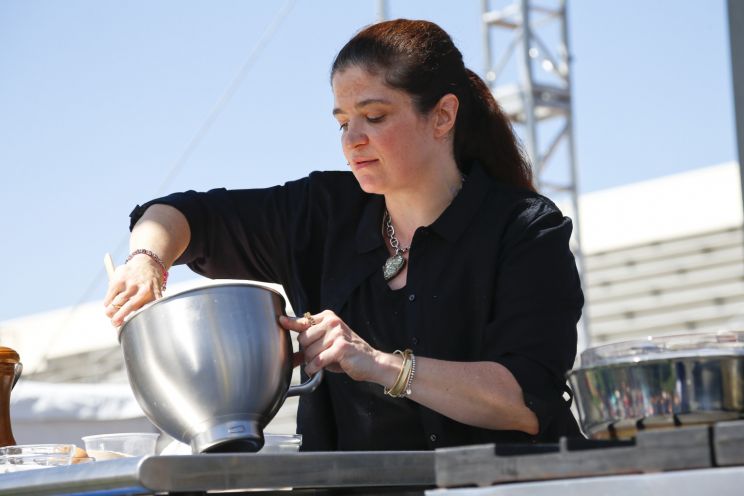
(531, 80)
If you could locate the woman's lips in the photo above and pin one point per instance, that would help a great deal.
(360, 164)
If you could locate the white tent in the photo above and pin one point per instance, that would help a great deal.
(44, 412)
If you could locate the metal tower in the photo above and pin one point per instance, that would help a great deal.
(531, 80)
(381, 10)
(736, 42)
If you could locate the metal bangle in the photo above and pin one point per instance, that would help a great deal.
(398, 387)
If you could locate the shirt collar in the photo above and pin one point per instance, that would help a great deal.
(450, 225)
(456, 218)
(369, 230)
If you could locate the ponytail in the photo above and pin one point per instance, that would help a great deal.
(484, 134)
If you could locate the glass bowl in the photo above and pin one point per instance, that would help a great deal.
(281, 443)
(119, 445)
(35, 456)
(273, 443)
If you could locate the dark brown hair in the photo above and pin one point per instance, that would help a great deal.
(420, 58)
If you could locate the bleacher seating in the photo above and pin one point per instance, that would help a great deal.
(692, 283)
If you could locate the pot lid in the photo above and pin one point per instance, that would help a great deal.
(701, 344)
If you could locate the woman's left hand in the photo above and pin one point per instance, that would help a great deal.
(327, 342)
(483, 394)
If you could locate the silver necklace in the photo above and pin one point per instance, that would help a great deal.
(395, 263)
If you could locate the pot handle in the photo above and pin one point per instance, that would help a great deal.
(307, 386)
(17, 373)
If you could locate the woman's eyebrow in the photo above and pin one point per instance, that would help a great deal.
(363, 103)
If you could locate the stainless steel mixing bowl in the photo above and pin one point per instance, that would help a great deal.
(668, 381)
(211, 366)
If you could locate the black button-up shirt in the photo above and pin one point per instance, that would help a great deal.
(491, 279)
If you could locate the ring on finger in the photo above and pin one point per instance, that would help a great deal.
(119, 305)
(309, 318)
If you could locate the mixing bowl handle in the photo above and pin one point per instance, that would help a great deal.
(307, 386)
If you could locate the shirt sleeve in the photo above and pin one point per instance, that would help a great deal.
(537, 306)
(267, 234)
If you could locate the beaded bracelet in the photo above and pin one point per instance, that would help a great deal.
(157, 259)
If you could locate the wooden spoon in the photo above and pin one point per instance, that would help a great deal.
(108, 262)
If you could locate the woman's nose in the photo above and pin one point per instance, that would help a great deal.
(354, 137)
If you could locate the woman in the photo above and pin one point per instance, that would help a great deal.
(436, 244)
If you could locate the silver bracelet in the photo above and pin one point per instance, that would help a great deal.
(158, 260)
(407, 391)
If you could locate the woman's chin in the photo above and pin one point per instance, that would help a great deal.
(369, 185)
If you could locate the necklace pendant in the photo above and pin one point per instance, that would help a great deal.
(393, 266)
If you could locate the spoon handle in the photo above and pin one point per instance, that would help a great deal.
(108, 262)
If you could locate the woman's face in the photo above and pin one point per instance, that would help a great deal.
(387, 143)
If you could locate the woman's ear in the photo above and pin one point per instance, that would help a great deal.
(445, 114)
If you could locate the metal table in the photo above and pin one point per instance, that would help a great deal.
(654, 460)
(308, 473)
(719, 481)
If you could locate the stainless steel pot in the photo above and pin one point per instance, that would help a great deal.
(660, 382)
(211, 366)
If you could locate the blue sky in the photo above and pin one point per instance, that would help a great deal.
(98, 100)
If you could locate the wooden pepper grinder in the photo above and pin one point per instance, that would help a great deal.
(10, 372)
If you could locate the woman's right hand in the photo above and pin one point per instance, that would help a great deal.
(132, 285)
(162, 229)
